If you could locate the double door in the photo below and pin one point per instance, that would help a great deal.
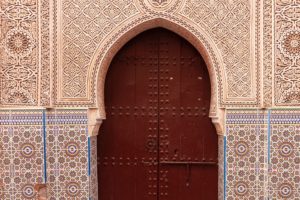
(157, 142)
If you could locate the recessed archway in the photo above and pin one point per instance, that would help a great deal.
(200, 40)
(118, 38)
(157, 131)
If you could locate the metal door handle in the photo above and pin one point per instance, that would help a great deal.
(186, 163)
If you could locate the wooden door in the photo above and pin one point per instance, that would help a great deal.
(157, 142)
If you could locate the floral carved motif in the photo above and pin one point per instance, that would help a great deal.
(287, 52)
(289, 44)
(19, 42)
(19, 60)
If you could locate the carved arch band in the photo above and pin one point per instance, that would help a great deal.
(119, 37)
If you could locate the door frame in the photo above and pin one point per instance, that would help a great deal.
(117, 39)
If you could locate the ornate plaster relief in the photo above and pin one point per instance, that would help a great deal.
(19, 43)
(287, 52)
(89, 28)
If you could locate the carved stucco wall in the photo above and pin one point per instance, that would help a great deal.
(253, 52)
(287, 52)
(19, 52)
(90, 29)
(80, 34)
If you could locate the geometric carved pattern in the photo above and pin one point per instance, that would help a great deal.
(45, 82)
(268, 53)
(25, 41)
(287, 52)
(229, 25)
(25, 55)
(85, 23)
(80, 26)
(19, 55)
(25, 61)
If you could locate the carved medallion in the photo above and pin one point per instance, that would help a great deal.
(289, 44)
(19, 42)
(161, 5)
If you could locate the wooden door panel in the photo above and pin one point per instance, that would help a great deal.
(124, 153)
(189, 138)
(158, 142)
(196, 186)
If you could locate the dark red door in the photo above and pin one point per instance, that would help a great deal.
(158, 142)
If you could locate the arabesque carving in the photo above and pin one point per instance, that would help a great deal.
(228, 22)
(268, 54)
(287, 49)
(45, 78)
(88, 24)
(84, 24)
(19, 53)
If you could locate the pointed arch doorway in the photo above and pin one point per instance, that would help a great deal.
(158, 142)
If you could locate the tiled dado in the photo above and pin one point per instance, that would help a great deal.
(284, 160)
(67, 154)
(93, 168)
(246, 154)
(21, 153)
(38, 146)
(262, 154)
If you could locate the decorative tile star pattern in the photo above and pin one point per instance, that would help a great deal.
(67, 154)
(21, 153)
(263, 154)
(27, 137)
